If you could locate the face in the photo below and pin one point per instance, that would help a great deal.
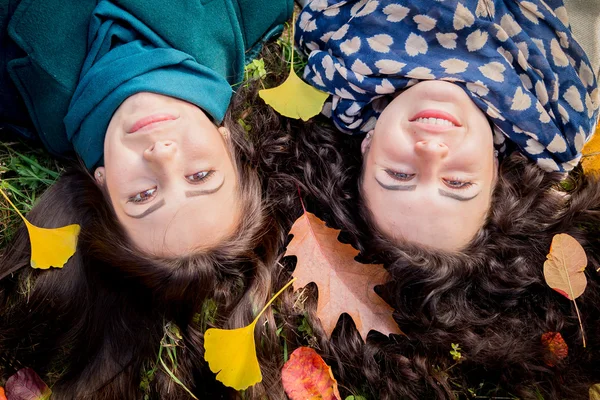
(169, 175)
(429, 167)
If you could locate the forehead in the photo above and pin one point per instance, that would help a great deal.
(178, 228)
(425, 217)
(432, 228)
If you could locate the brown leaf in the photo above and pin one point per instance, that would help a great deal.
(345, 285)
(564, 266)
(595, 392)
(305, 376)
(26, 385)
(564, 269)
(556, 348)
(590, 160)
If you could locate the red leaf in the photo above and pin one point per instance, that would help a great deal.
(26, 385)
(307, 377)
(556, 348)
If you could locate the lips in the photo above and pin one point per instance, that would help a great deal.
(435, 115)
(150, 121)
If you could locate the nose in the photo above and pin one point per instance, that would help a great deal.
(433, 149)
(161, 151)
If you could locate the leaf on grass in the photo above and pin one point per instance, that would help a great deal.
(49, 247)
(564, 269)
(556, 348)
(52, 247)
(231, 353)
(26, 385)
(595, 392)
(307, 377)
(590, 160)
(294, 98)
(345, 285)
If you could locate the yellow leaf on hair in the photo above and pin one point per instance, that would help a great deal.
(295, 98)
(231, 353)
(590, 160)
(50, 247)
(595, 392)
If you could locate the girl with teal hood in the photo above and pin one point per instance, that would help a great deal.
(175, 235)
(86, 76)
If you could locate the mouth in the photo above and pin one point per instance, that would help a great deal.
(150, 121)
(436, 118)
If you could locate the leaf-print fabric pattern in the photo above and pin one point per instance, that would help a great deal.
(517, 60)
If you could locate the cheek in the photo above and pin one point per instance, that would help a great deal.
(122, 171)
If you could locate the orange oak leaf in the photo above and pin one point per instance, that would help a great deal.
(590, 160)
(345, 285)
(556, 348)
(2, 394)
(564, 269)
(305, 376)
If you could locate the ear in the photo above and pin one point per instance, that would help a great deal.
(496, 169)
(366, 143)
(224, 132)
(99, 175)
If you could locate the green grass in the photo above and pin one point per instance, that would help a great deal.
(25, 172)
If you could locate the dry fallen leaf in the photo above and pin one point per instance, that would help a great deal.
(556, 348)
(26, 385)
(294, 98)
(564, 269)
(345, 285)
(305, 376)
(231, 353)
(590, 160)
(595, 392)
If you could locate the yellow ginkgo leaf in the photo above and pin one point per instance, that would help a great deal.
(231, 353)
(49, 247)
(52, 247)
(294, 98)
(590, 160)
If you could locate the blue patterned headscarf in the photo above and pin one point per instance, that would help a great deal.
(517, 60)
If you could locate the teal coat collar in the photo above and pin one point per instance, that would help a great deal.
(53, 33)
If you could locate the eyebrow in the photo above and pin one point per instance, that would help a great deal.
(149, 210)
(189, 193)
(194, 193)
(397, 187)
(442, 192)
(457, 196)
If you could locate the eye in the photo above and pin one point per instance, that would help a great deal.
(457, 184)
(199, 176)
(400, 176)
(142, 197)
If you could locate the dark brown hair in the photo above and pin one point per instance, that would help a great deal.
(491, 299)
(93, 329)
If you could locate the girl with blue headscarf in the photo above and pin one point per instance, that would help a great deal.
(442, 90)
